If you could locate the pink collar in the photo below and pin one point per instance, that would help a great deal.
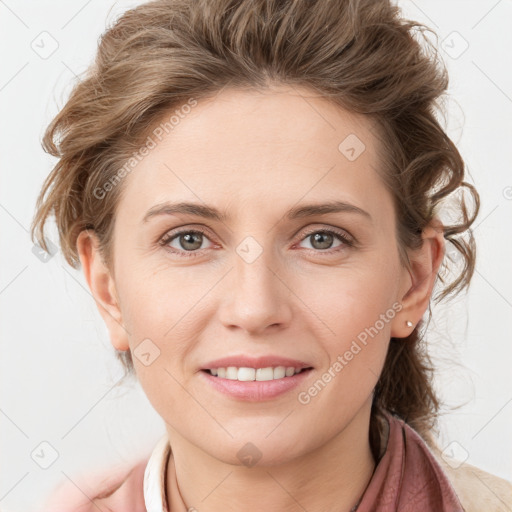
(408, 477)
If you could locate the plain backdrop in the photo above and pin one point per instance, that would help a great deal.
(60, 412)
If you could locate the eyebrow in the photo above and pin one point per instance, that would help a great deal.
(210, 212)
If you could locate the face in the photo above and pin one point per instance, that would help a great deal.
(265, 283)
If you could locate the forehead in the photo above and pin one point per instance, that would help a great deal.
(281, 119)
(260, 148)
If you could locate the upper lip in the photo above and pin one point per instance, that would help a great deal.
(245, 361)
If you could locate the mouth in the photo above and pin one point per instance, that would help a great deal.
(249, 374)
(252, 384)
(255, 378)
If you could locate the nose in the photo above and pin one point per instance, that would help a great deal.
(256, 297)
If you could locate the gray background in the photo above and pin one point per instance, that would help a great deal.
(57, 366)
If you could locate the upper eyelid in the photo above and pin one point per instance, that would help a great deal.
(173, 233)
(332, 229)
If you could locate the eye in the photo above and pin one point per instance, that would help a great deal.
(322, 239)
(186, 241)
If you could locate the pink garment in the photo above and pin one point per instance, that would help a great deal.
(407, 478)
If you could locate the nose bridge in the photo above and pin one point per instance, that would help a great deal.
(258, 298)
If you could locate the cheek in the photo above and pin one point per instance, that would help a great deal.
(355, 309)
(162, 331)
(348, 300)
(158, 302)
(162, 324)
(355, 344)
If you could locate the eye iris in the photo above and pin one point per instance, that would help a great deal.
(188, 238)
(321, 237)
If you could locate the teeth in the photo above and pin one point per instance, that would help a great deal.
(280, 372)
(245, 374)
(264, 374)
(231, 373)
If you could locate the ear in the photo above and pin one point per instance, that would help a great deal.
(102, 287)
(425, 263)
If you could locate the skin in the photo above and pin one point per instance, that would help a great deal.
(255, 155)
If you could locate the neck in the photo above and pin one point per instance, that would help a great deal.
(331, 477)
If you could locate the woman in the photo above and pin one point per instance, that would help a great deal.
(253, 190)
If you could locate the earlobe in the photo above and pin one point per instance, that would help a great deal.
(102, 286)
(425, 263)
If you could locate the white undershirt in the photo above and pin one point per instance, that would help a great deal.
(154, 485)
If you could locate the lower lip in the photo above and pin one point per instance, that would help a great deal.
(256, 391)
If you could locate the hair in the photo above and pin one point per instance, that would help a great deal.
(360, 55)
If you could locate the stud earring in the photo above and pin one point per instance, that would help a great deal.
(408, 323)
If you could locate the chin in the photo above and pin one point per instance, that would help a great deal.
(259, 450)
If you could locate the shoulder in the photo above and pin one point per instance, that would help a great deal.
(120, 488)
(476, 489)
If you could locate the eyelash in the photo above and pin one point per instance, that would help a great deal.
(168, 237)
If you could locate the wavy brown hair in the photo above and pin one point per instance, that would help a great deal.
(361, 55)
